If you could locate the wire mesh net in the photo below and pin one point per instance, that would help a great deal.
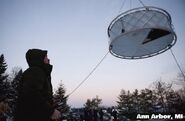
(140, 33)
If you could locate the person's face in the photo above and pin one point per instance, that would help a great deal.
(46, 60)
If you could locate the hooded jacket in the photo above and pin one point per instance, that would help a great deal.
(35, 89)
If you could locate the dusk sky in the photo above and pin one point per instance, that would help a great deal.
(75, 34)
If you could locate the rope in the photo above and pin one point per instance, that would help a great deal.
(89, 74)
(177, 63)
(142, 3)
(121, 6)
(130, 4)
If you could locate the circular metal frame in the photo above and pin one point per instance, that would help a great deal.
(135, 10)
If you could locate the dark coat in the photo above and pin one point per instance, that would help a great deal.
(35, 91)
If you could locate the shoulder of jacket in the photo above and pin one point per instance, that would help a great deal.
(35, 70)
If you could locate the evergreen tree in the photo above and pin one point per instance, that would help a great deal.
(61, 99)
(146, 103)
(135, 101)
(124, 102)
(4, 84)
(13, 95)
(173, 101)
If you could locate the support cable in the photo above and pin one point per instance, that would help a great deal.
(142, 3)
(177, 64)
(121, 6)
(89, 74)
(130, 4)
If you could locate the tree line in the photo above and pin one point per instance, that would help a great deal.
(162, 98)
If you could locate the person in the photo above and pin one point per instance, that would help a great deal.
(35, 90)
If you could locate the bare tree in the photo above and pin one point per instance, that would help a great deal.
(161, 89)
(181, 79)
(93, 103)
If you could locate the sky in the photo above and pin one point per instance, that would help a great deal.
(75, 34)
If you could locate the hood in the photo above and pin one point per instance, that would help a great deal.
(35, 57)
